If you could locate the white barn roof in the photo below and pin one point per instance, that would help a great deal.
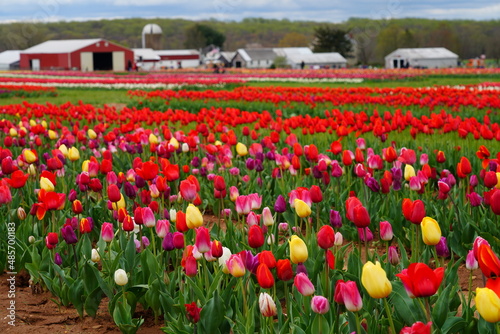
(187, 52)
(318, 58)
(422, 53)
(10, 56)
(61, 46)
(146, 54)
(285, 52)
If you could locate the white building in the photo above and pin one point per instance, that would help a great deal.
(421, 58)
(170, 59)
(146, 59)
(317, 60)
(254, 58)
(9, 60)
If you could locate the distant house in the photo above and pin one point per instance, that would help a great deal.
(146, 59)
(421, 58)
(254, 58)
(77, 54)
(9, 60)
(225, 58)
(317, 60)
(178, 58)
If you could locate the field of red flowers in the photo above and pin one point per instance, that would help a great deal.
(333, 210)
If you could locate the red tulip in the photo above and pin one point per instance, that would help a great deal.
(421, 281)
(216, 249)
(148, 171)
(284, 270)
(5, 195)
(18, 179)
(114, 194)
(325, 237)
(330, 259)
(255, 236)
(414, 211)
(188, 190)
(51, 240)
(219, 183)
(336, 147)
(171, 172)
(190, 266)
(316, 194)
(202, 239)
(495, 202)
(440, 158)
(128, 224)
(193, 312)
(488, 261)
(180, 222)
(264, 276)
(417, 328)
(268, 258)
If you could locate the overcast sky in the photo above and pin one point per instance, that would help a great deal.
(317, 10)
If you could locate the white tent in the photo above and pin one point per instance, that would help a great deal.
(421, 58)
(146, 59)
(9, 60)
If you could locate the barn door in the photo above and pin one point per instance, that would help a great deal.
(118, 61)
(86, 62)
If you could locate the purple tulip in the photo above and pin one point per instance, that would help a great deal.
(442, 249)
(280, 204)
(335, 219)
(68, 234)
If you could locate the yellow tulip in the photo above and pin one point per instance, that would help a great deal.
(431, 232)
(32, 122)
(375, 280)
(153, 139)
(85, 166)
(64, 150)
(218, 143)
(409, 172)
(44, 124)
(498, 180)
(91, 133)
(488, 304)
(52, 134)
(73, 154)
(241, 149)
(194, 218)
(120, 204)
(298, 250)
(12, 132)
(301, 208)
(46, 184)
(174, 143)
(29, 156)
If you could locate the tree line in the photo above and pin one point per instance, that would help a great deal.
(371, 39)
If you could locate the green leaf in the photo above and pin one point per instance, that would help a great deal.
(76, 296)
(212, 313)
(92, 302)
(320, 325)
(453, 325)
(404, 305)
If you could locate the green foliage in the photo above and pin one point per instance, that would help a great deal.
(199, 36)
(329, 38)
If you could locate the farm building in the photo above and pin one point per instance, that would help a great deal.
(146, 59)
(77, 54)
(317, 60)
(178, 58)
(9, 60)
(421, 58)
(254, 58)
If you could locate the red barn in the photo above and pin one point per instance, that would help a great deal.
(77, 54)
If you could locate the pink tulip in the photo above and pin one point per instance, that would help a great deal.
(107, 232)
(303, 284)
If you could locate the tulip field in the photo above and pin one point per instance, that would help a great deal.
(214, 205)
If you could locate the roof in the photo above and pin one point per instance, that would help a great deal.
(61, 46)
(227, 55)
(151, 28)
(285, 52)
(318, 58)
(186, 52)
(422, 53)
(146, 54)
(10, 56)
(257, 54)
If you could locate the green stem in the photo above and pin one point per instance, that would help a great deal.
(389, 315)
(153, 240)
(358, 323)
(76, 259)
(498, 327)
(366, 245)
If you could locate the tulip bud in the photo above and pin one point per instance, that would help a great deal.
(470, 261)
(226, 254)
(107, 233)
(303, 284)
(298, 250)
(320, 305)
(241, 149)
(393, 256)
(21, 214)
(58, 259)
(301, 208)
(266, 305)
(339, 239)
(442, 248)
(95, 257)
(335, 219)
(488, 304)
(73, 154)
(31, 239)
(409, 172)
(325, 237)
(121, 278)
(267, 217)
(386, 233)
(431, 232)
(194, 218)
(375, 281)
